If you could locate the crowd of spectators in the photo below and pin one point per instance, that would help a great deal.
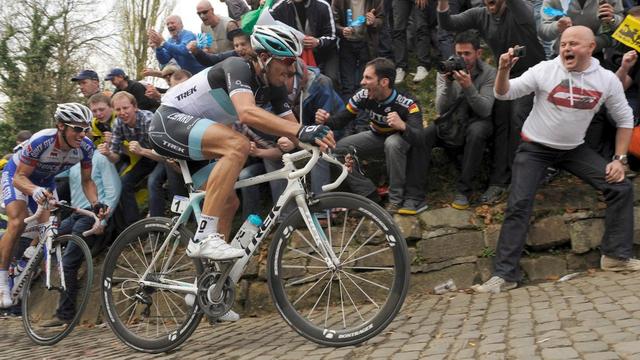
(356, 60)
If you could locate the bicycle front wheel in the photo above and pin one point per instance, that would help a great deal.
(145, 317)
(350, 303)
(49, 313)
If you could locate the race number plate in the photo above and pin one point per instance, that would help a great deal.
(179, 204)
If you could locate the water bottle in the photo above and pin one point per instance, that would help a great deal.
(11, 274)
(26, 256)
(446, 286)
(349, 17)
(248, 230)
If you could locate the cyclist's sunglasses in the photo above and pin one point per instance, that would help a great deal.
(286, 60)
(79, 129)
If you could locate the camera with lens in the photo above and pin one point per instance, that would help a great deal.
(519, 51)
(453, 63)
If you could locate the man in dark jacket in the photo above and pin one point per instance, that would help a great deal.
(358, 44)
(121, 81)
(315, 19)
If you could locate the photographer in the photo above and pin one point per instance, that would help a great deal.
(502, 24)
(464, 100)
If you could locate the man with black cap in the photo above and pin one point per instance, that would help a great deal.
(88, 82)
(121, 81)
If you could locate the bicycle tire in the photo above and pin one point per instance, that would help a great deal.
(292, 258)
(153, 230)
(41, 300)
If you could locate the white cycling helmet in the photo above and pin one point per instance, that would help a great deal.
(73, 113)
(278, 40)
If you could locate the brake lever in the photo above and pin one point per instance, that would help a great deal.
(356, 165)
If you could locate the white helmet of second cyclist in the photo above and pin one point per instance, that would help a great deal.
(277, 40)
(73, 114)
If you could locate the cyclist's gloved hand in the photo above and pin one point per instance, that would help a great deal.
(310, 133)
(40, 195)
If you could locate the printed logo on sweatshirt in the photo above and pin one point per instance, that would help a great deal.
(574, 97)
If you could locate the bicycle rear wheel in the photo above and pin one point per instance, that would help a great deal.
(147, 318)
(50, 314)
(358, 299)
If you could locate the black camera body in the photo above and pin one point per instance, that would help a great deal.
(453, 63)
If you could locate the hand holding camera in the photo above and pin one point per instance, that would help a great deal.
(463, 78)
(455, 68)
(605, 11)
(563, 24)
(508, 59)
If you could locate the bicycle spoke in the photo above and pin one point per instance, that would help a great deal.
(352, 302)
(320, 297)
(367, 268)
(307, 241)
(123, 300)
(130, 265)
(171, 269)
(303, 280)
(366, 280)
(130, 271)
(302, 267)
(344, 228)
(326, 313)
(152, 245)
(311, 287)
(172, 301)
(144, 256)
(328, 214)
(362, 245)
(155, 305)
(359, 288)
(138, 256)
(164, 297)
(305, 254)
(133, 311)
(178, 268)
(351, 238)
(344, 319)
(365, 256)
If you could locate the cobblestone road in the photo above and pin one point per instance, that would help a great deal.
(596, 316)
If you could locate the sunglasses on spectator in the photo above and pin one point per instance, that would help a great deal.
(202, 13)
(79, 129)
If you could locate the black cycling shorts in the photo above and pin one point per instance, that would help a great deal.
(177, 135)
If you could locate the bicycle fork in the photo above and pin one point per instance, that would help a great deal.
(323, 244)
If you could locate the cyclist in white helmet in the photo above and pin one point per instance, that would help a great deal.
(28, 178)
(194, 121)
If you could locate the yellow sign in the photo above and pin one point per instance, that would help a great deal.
(628, 32)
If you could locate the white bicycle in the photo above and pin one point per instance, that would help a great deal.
(60, 272)
(337, 269)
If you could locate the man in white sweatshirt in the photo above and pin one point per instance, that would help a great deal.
(568, 90)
